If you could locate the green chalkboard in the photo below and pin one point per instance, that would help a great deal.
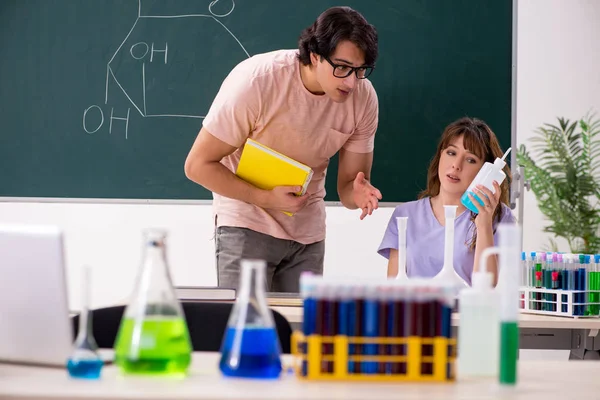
(103, 99)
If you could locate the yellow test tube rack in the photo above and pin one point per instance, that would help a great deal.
(309, 364)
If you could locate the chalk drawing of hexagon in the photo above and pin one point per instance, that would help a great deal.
(166, 64)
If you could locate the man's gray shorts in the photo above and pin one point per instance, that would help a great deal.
(286, 259)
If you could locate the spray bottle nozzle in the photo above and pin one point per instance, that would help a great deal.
(500, 163)
(484, 278)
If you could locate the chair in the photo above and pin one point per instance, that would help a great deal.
(206, 323)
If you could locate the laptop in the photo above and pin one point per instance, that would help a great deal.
(35, 327)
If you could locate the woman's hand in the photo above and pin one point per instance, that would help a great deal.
(490, 202)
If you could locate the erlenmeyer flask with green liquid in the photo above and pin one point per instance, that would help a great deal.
(153, 338)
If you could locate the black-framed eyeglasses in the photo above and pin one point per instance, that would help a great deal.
(343, 71)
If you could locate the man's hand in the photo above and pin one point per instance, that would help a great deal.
(365, 195)
(283, 198)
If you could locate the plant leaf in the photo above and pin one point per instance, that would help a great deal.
(565, 178)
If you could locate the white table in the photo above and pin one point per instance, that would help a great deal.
(537, 380)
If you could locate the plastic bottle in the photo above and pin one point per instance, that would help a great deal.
(153, 337)
(251, 347)
(479, 330)
(486, 176)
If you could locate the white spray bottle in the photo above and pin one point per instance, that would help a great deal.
(486, 176)
(479, 328)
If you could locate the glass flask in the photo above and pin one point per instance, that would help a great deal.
(448, 274)
(85, 362)
(153, 337)
(251, 347)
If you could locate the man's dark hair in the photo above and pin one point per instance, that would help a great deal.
(335, 25)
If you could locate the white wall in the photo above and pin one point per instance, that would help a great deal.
(558, 75)
(108, 238)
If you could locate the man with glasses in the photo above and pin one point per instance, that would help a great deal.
(309, 104)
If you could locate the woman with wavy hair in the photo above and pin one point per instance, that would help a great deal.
(465, 145)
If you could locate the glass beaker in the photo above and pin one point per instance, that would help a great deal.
(153, 336)
(251, 347)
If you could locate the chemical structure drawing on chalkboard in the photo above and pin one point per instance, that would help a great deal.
(165, 67)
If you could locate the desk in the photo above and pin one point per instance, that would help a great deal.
(580, 335)
(537, 380)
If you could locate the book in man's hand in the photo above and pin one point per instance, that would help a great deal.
(266, 168)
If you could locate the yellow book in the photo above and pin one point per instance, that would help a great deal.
(265, 168)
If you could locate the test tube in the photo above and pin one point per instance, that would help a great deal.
(532, 280)
(330, 321)
(580, 285)
(428, 312)
(385, 314)
(595, 285)
(585, 296)
(539, 272)
(563, 281)
(355, 317)
(447, 306)
(370, 326)
(309, 301)
(399, 326)
(321, 317)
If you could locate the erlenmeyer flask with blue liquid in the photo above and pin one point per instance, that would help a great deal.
(251, 347)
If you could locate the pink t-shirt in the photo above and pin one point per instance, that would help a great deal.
(264, 98)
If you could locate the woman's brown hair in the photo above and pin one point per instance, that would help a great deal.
(479, 139)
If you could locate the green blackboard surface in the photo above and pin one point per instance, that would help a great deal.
(103, 99)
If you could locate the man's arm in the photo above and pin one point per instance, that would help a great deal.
(353, 184)
(350, 164)
(203, 166)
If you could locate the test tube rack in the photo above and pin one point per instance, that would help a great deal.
(342, 363)
(560, 302)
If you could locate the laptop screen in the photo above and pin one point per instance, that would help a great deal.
(34, 311)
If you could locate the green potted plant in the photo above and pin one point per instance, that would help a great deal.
(565, 178)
